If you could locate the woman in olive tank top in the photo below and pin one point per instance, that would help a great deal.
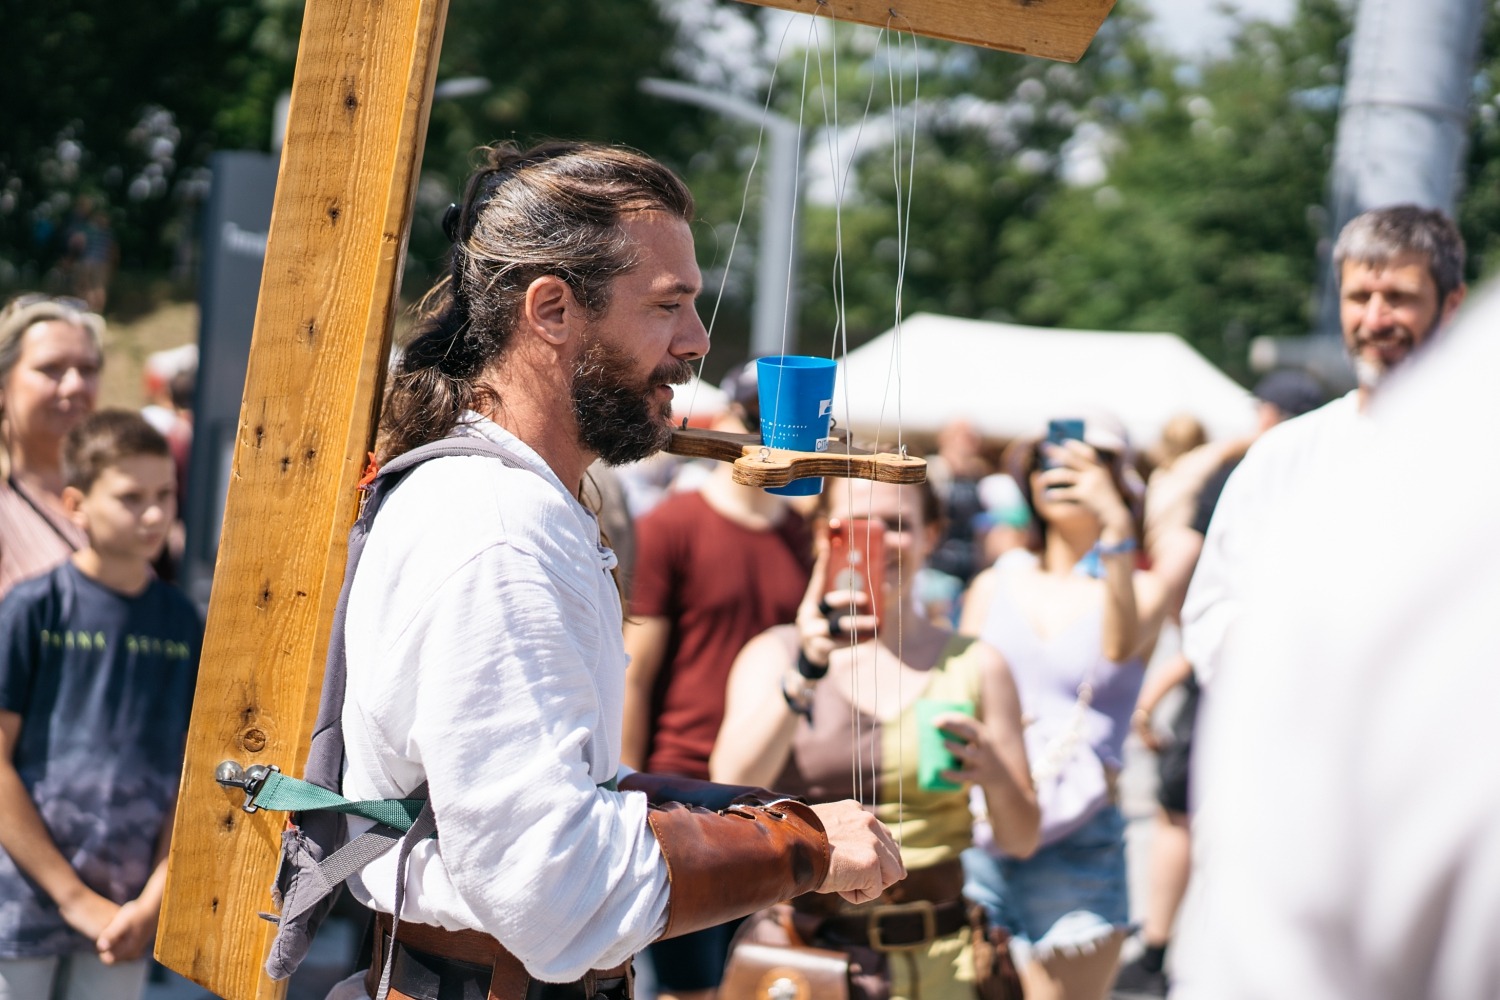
(827, 708)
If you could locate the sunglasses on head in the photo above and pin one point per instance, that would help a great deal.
(38, 298)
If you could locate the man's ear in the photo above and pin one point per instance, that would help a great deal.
(550, 310)
(1452, 302)
(72, 501)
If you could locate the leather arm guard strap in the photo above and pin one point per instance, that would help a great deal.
(724, 865)
(663, 788)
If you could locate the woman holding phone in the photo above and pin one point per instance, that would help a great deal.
(827, 708)
(1075, 625)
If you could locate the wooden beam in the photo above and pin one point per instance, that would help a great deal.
(337, 241)
(1051, 29)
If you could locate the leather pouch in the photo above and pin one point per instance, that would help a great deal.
(766, 962)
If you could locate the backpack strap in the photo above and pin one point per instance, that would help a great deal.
(308, 881)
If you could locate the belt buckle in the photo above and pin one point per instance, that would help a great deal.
(924, 907)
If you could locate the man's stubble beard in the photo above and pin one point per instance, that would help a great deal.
(615, 415)
(1370, 375)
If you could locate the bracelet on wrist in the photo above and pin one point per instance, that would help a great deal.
(807, 668)
(1123, 547)
(800, 703)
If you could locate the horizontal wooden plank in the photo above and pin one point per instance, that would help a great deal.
(357, 122)
(1051, 29)
(757, 465)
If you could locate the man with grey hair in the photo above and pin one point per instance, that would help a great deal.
(1400, 281)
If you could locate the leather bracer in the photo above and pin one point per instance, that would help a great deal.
(724, 865)
(663, 788)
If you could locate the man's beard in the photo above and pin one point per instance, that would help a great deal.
(1370, 374)
(616, 417)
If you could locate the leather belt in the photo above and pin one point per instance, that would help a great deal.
(925, 905)
(894, 927)
(435, 964)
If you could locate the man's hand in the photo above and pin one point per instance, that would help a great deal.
(863, 858)
(129, 934)
(88, 913)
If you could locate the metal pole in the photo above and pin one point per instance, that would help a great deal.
(774, 317)
(1403, 127)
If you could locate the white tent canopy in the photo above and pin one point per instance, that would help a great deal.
(1009, 380)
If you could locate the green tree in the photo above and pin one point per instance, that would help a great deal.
(125, 106)
(1208, 222)
(996, 140)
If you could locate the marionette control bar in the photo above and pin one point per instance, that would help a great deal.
(756, 464)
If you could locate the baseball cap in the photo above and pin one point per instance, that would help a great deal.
(1291, 390)
(742, 387)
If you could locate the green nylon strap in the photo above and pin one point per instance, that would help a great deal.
(283, 793)
(287, 794)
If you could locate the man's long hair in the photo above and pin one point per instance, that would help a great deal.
(555, 209)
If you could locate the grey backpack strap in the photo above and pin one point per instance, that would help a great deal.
(312, 871)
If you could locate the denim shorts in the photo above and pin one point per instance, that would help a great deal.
(1067, 897)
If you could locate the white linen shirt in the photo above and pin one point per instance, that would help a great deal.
(485, 657)
(1356, 852)
(1255, 492)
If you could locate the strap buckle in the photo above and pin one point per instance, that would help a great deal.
(230, 774)
(922, 907)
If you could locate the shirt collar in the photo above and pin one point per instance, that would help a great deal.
(474, 424)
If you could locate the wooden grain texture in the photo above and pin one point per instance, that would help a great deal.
(1051, 29)
(322, 334)
(757, 465)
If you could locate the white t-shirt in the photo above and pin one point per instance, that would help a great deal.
(485, 657)
(1355, 849)
(1256, 492)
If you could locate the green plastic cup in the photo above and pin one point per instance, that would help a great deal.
(933, 758)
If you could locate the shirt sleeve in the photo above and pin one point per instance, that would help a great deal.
(1212, 604)
(20, 651)
(490, 694)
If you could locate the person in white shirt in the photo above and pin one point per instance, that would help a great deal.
(1358, 857)
(1401, 281)
(483, 630)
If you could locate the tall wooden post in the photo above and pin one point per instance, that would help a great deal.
(358, 119)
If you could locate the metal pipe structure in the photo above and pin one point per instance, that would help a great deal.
(775, 308)
(1404, 124)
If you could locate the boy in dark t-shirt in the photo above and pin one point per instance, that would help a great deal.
(97, 665)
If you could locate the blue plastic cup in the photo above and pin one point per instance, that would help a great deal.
(796, 409)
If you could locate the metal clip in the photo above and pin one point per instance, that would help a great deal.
(230, 774)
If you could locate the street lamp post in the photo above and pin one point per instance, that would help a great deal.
(775, 309)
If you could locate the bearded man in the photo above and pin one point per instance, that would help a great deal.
(483, 633)
(1400, 281)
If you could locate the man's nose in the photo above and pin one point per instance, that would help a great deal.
(1377, 313)
(691, 341)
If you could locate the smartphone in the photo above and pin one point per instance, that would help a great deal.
(856, 559)
(1059, 431)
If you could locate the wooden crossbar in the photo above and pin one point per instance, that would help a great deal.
(1050, 29)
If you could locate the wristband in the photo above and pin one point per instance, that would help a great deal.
(800, 704)
(807, 668)
(1121, 548)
